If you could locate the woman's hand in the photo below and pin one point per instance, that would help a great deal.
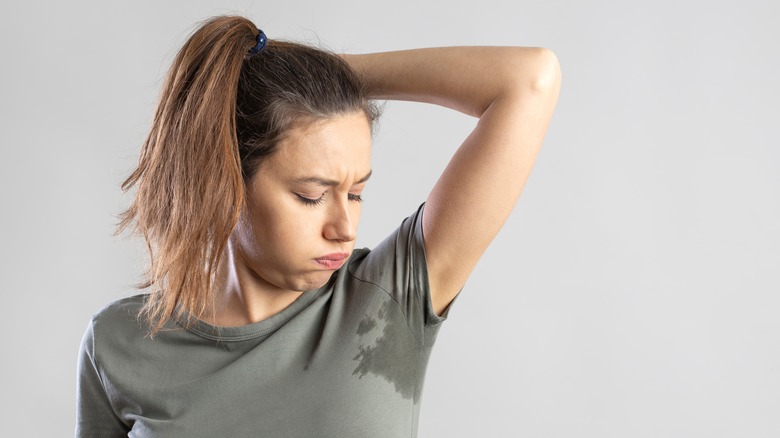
(513, 92)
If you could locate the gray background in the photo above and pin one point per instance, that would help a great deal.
(632, 293)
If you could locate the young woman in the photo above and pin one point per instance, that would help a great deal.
(263, 319)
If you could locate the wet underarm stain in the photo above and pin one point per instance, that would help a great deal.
(388, 356)
(366, 325)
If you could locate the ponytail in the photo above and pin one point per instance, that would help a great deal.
(190, 191)
(222, 110)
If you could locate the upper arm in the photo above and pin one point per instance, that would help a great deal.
(95, 415)
(482, 182)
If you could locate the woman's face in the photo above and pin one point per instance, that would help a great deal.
(303, 204)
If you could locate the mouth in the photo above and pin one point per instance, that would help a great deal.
(332, 261)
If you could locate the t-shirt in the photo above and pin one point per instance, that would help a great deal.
(345, 360)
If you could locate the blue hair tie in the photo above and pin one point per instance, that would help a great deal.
(262, 40)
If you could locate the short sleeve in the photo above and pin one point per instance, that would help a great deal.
(95, 416)
(398, 265)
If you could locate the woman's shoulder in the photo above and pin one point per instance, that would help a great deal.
(119, 318)
(121, 308)
(403, 242)
(397, 259)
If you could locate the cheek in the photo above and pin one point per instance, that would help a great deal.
(284, 231)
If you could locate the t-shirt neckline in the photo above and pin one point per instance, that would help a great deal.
(257, 329)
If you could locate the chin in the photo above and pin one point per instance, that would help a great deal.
(312, 281)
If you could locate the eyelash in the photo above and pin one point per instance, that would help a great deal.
(321, 199)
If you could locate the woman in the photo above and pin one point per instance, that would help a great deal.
(263, 319)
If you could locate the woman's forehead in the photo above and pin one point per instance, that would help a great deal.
(337, 148)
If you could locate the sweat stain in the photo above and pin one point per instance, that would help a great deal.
(388, 357)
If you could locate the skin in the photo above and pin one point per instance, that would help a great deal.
(511, 90)
(302, 204)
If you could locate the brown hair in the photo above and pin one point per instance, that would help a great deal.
(222, 110)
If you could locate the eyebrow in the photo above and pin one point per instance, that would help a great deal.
(328, 182)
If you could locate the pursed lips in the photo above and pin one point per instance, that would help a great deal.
(332, 261)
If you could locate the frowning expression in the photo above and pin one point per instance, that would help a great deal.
(303, 204)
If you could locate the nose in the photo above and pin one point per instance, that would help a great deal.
(340, 225)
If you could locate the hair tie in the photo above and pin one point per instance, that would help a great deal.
(262, 40)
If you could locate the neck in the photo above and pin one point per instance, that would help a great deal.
(242, 297)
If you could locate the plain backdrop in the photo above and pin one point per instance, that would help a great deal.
(634, 291)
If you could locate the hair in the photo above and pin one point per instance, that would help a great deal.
(222, 110)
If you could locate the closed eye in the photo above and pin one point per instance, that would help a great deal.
(318, 201)
(311, 201)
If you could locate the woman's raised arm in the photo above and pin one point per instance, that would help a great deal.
(513, 92)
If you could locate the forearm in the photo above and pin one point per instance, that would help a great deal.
(467, 79)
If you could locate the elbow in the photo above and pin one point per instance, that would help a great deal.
(546, 72)
(525, 72)
(534, 69)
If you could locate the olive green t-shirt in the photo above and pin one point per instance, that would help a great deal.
(345, 360)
